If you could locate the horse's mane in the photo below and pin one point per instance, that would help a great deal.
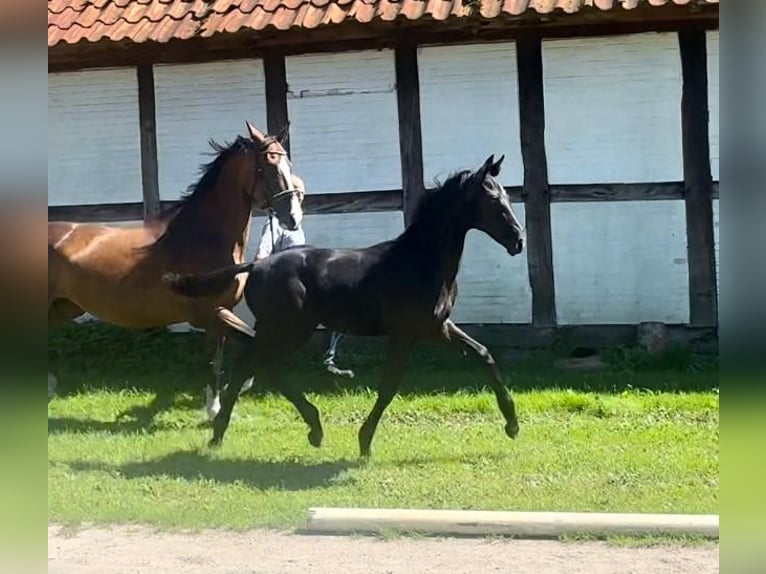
(437, 205)
(179, 215)
(209, 173)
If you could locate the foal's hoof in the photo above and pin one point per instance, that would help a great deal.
(512, 429)
(214, 442)
(315, 438)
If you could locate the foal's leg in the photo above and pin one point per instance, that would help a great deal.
(389, 385)
(451, 333)
(329, 358)
(307, 410)
(243, 366)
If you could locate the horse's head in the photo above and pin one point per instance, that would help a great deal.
(274, 187)
(490, 207)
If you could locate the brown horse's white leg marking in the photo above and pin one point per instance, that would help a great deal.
(213, 397)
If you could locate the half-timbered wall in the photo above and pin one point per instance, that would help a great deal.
(613, 116)
(198, 102)
(344, 138)
(469, 110)
(93, 137)
(613, 119)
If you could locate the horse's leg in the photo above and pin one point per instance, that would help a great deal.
(307, 410)
(243, 365)
(213, 393)
(329, 358)
(60, 311)
(452, 334)
(389, 385)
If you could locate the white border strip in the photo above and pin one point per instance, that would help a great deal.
(520, 524)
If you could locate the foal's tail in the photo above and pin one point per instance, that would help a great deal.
(201, 284)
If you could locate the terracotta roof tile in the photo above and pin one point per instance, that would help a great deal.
(72, 21)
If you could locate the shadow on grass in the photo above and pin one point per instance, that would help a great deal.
(263, 474)
(68, 425)
(101, 356)
(139, 418)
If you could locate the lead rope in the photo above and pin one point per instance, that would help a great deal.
(271, 231)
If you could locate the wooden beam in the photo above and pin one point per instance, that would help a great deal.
(148, 130)
(621, 191)
(353, 202)
(410, 141)
(391, 200)
(96, 213)
(698, 183)
(275, 73)
(537, 197)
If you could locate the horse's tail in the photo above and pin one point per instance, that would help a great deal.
(201, 284)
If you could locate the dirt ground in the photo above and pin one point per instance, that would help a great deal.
(138, 550)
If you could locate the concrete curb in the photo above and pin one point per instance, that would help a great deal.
(519, 524)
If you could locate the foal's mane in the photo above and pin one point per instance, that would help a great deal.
(180, 219)
(435, 207)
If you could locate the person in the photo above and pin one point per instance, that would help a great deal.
(268, 244)
(283, 239)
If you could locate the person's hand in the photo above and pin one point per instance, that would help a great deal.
(300, 187)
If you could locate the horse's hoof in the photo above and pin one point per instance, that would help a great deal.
(512, 429)
(215, 442)
(315, 438)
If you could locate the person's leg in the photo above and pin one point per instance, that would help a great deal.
(329, 357)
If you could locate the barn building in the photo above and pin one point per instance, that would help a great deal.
(606, 110)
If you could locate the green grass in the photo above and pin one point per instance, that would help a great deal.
(125, 443)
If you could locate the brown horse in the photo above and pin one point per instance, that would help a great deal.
(114, 272)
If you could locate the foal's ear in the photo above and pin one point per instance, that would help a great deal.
(490, 167)
(494, 169)
(284, 134)
(255, 133)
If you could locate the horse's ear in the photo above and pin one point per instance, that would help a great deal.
(284, 134)
(255, 133)
(485, 167)
(494, 169)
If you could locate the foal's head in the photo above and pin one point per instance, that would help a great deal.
(489, 207)
(274, 189)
